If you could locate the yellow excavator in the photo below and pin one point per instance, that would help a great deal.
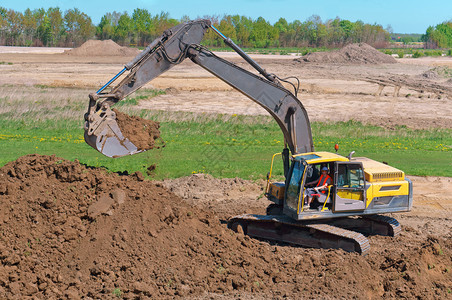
(340, 215)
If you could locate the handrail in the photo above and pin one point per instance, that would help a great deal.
(329, 192)
(270, 173)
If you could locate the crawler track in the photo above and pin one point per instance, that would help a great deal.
(283, 229)
(341, 233)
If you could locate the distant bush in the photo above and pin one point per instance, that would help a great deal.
(433, 53)
(388, 52)
(417, 54)
(449, 53)
(400, 54)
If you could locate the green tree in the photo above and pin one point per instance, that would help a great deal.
(263, 34)
(143, 26)
(78, 26)
(106, 28)
(124, 30)
(56, 25)
(14, 27)
(439, 36)
(3, 25)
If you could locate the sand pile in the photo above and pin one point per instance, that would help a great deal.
(102, 48)
(360, 53)
(68, 231)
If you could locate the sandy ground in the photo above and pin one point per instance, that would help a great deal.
(350, 89)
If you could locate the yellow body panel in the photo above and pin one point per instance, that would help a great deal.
(385, 189)
(348, 194)
(376, 171)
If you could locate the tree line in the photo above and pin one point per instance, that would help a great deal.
(42, 27)
(53, 27)
(439, 36)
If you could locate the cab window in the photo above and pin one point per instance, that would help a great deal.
(350, 176)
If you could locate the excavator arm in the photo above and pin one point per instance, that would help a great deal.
(176, 44)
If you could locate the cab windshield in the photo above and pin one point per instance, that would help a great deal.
(293, 190)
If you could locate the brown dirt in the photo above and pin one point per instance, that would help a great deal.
(68, 231)
(141, 132)
(101, 48)
(360, 53)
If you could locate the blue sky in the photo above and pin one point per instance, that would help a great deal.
(405, 16)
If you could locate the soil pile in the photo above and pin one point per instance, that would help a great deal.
(144, 134)
(101, 48)
(68, 231)
(360, 53)
(429, 74)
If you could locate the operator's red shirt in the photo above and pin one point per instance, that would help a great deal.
(324, 179)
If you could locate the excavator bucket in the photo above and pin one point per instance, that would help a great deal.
(102, 132)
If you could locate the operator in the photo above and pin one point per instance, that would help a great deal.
(321, 185)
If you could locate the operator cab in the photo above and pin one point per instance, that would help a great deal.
(346, 193)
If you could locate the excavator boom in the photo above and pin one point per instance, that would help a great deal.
(183, 41)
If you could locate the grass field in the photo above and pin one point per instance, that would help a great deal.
(49, 121)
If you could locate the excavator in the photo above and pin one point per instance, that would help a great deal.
(342, 215)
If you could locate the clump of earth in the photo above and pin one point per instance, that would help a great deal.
(71, 231)
(360, 53)
(101, 48)
(143, 133)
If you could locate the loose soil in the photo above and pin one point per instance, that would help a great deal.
(68, 231)
(101, 48)
(143, 133)
(360, 53)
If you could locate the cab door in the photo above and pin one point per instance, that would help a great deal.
(350, 187)
(294, 184)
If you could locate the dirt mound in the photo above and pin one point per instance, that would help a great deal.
(101, 48)
(68, 231)
(360, 53)
(429, 74)
(144, 134)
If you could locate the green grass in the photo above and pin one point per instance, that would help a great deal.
(230, 146)
(414, 52)
(49, 120)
